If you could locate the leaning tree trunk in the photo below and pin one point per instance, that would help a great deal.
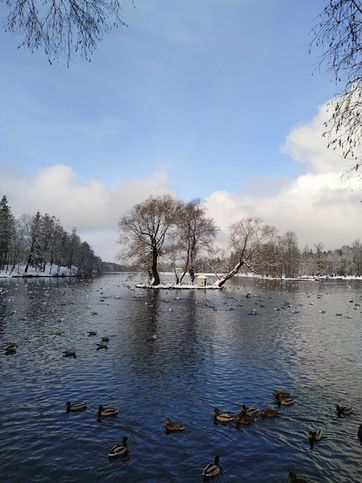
(155, 280)
(230, 274)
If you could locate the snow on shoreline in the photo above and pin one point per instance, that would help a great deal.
(50, 271)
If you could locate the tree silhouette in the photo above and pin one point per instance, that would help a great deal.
(339, 33)
(63, 27)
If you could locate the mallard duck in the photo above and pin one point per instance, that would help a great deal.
(359, 434)
(105, 338)
(119, 450)
(314, 436)
(241, 420)
(345, 410)
(248, 410)
(10, 349)
(12, 344)
(293, 477)
(91, 333)
(102, 345)
(107, 411)
(222, 417)
(285, 402)
(212, 469)
(75, 406)
(69, 354)
(282, 394)
(269, 413)
(172, 427)
(151, 338)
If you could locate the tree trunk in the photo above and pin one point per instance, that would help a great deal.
(177, 278)
(230, 274)
(155, 280)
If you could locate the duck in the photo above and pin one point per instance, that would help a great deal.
(119, 450)
(212, 469)
(151, 338)
(281, 394)
(105, 338)
(269, 413)
(57, 332)
(72, 407)
(359, 434)
(91, 333)
(69, 354)
(241, 420)
(107, 411)
(12, 344)
(286, 402)
(345, 410)
(292, 477)
(10, 349)
(172, 427)
(314, 435)
(222, 417)
(248, 410)
(102, 345)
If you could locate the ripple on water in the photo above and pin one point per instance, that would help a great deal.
(208, 353)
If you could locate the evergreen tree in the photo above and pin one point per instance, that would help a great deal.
(7, 231)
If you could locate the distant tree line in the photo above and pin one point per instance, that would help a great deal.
(41, 243)
(165, 234)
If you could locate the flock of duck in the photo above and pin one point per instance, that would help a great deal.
(247, 415)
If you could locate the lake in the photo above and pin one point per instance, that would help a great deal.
(213, 349)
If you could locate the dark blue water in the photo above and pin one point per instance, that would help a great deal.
(209, 352)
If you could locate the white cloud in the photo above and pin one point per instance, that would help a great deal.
(320, 205)
(317, 205)
(93, 207)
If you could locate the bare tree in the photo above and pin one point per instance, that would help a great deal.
(144, 229)
(63, 26)
(195, 232)
(247, 239)
(339, 33)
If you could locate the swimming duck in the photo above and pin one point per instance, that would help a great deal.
(269, 413)
(57, 332)
(107, 411)
(75, 406)
(359, 434)
(12, 344)
(241, 420)
(345, 410)
(69, 354)
(293, 477)
(91, 333)
(285, 402)
(172, 427)
(10, 349)
(248, 410)
(102, 345)
(212, 469)
(119, 450)
(314, 436)
(151, 338)
(222, 417)
(105, 338)
(281, 394)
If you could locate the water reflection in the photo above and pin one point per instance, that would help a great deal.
(208, 352)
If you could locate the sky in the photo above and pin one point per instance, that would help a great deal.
(212, 99)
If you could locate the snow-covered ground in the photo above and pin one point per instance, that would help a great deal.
(50, 271)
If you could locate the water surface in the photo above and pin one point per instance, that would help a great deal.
(210, 352)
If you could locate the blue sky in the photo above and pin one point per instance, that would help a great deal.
(205, 92)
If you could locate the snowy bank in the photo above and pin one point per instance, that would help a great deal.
(50, 271)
